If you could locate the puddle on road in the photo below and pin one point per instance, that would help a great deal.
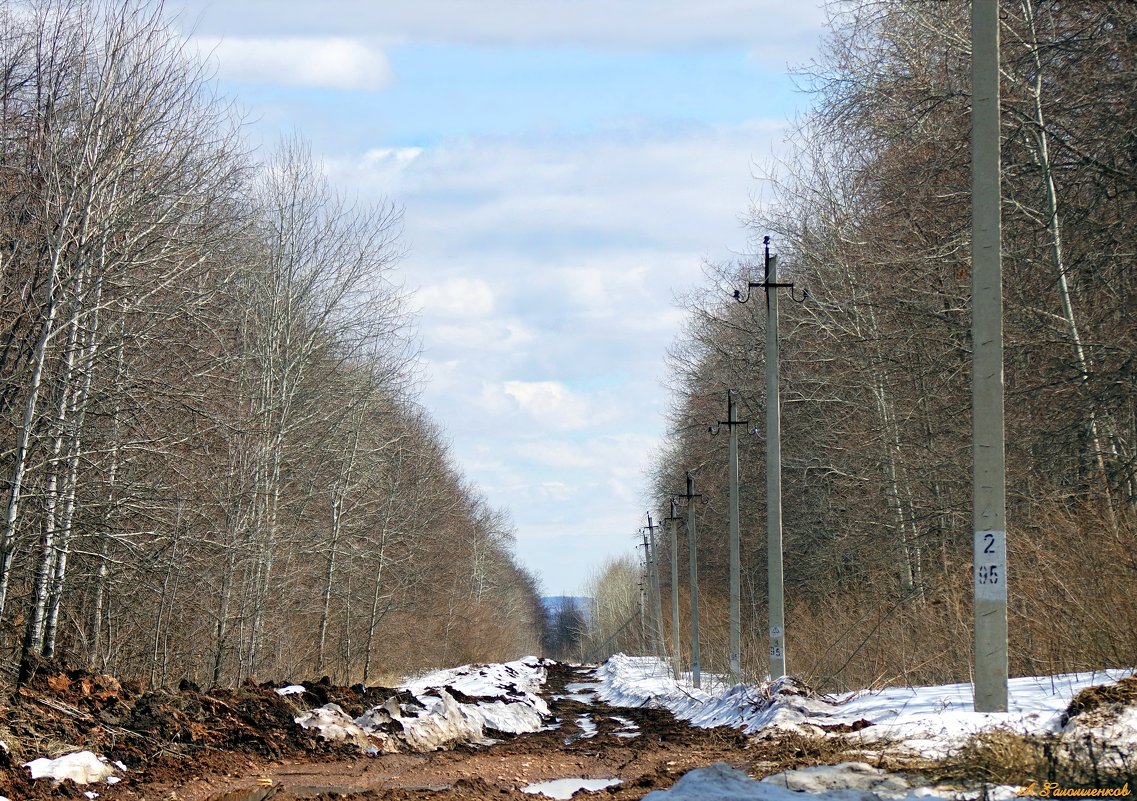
(582, 687)
(628, 729)
(581, 691)
(587, 730)
(562, 789)
(586, 726)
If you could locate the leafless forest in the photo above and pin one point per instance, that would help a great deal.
(214, 464)
(215, 467)
(871, 213)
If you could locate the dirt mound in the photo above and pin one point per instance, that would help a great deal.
(61, 711)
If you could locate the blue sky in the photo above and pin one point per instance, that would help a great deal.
(565, 168)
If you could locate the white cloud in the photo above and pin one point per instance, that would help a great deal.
(378, 171)
(622, 455)
(591, 23)
(681, 191)
(557, 490)
(552, 403)
(458, 297)
(328, 62)
(471, 341)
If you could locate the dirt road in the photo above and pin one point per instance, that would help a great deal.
(645, 749)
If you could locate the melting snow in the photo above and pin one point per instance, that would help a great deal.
(849, 781)
(505, 698)
(291, 689)
(81, 767)
(334, 724)
(628, 729)
(565, 788)
(929, 720)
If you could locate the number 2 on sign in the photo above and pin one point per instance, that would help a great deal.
(989, 538)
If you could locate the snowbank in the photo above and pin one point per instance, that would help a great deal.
(931, 721)
(332, 723)
(514, 682)
(503, 698)
(633, 681)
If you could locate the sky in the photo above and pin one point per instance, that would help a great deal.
(565, 168)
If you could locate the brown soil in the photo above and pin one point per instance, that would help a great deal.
(242, 745)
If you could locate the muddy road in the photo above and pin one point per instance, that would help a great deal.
(644, 749)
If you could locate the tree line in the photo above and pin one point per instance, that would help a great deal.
(214, 463)
(870, 211)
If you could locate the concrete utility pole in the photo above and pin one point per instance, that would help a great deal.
(776, 595)
(645, 587)
(643, 614)
(732, 422)
(774, 474)
(696, 662)
(672, 529)
(657, 602)
(990, 502)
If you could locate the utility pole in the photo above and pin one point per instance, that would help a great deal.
(989, 479)
(774, 476)
(653, 632)
(643, 618)
(696, 663)
(672, 528)
(732, 422)
(774, 577)
(657, 602)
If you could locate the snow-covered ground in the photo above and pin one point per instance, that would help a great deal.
(930, 721)
(927, 721)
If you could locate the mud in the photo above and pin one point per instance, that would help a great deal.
(242, 745)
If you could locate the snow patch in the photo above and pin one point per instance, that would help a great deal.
(291, 689)
(723, 783)
(854, 776)
(565, 788)
(81, 767)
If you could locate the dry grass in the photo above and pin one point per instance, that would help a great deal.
(1001, 756)
(1123, 692)
(786, 750)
